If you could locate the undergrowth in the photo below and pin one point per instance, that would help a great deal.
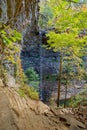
(79, 98)
(29, 91)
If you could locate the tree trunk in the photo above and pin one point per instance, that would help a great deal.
(65, 95)
(59, 82)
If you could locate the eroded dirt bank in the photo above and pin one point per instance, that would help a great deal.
(22, 113)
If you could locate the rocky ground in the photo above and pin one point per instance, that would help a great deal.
(81, 114)
(22, 113)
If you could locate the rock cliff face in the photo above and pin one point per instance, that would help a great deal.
(19, 14)
(45, 62)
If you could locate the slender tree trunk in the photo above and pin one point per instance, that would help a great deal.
(65, 94)
(59, 82)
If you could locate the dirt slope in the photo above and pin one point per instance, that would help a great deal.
(6, 117)
(22, 113)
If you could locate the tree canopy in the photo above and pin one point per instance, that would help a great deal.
(68, 35)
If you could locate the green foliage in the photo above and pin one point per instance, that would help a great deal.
(78, 99)
(67, 16)
(46, 14)
(65, 38)
(8, 43)
(29, 91)
(9, 36)
(32, 78)
(35, 84)
(31, 74)
(73, 68)
(75, 101)
(68, 22)
(21, 93)
(85, 77)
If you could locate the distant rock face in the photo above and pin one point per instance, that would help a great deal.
(45, 62)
